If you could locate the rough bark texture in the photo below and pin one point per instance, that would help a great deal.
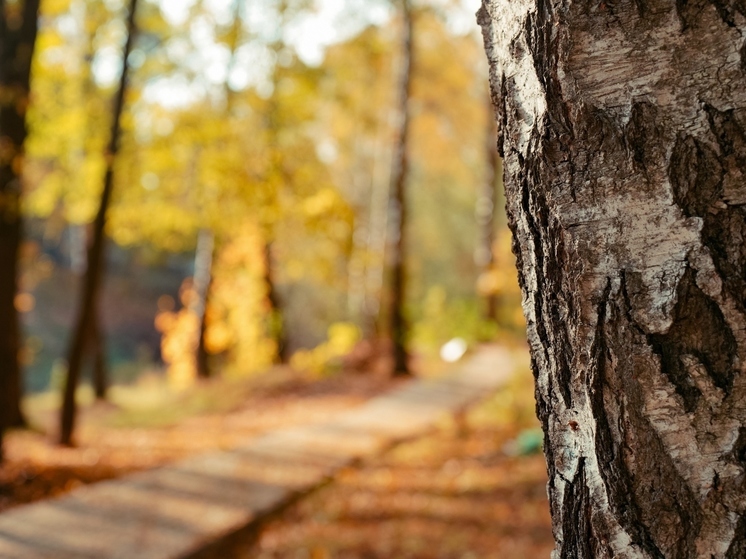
(623, 130)
(398, 204)
(94, 271)
(18, 26)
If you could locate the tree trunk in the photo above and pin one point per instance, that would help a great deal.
(623, 129)
(276, 316)
(94, 271)
(18, 26)
(96, 341)
(97, 350)
(398, 326)
(203, 259)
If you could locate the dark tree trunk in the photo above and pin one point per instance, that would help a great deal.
(94, 271)
(97, 351)
(96, 345)
(398, 326)
(623, 130)
(18, 26)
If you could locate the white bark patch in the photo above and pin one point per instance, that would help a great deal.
(510, 57)
(640, 232)
(621, 67)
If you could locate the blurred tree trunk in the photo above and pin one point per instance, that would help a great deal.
(97, 351)
(203, 260)
(485, 212)
(623, 129)
(95, 348)
(18, 26)
(94, 272)
(278, 173)
(398, 326)
(205, 255)
(277, 322)
(379, 225)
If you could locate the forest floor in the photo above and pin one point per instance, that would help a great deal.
(470, 489)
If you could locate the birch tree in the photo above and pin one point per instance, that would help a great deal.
(623, 130)
(18, 28)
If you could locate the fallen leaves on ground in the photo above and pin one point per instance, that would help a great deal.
(463, 491)
(112, 442)
(458, 493)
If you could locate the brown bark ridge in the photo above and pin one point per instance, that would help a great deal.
(623, 129)
(18, 27)
(398, 326)
(94, 270)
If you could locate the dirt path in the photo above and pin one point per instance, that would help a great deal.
(460, 492)
(113, 443)
(455, 494)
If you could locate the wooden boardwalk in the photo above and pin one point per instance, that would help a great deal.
(211, 505)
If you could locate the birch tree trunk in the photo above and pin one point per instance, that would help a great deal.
(18, 27)
(623, 129)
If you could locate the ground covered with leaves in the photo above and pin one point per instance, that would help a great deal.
(473, 488)
(146, 426)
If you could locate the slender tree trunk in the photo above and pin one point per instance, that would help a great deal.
(18, 26)
(377, 234)
(205, 254)
(485, 210)
(94, 271)
(277, 169)
(623, 129)
(277, 322)
(398, 205)
(96, 342)
(97, 350)
(203, 260)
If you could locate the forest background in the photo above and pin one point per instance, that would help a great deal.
(251, 211)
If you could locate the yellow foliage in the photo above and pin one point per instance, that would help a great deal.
(238, 309)
(321, 203)
(179, 340)
(341, 338)
(55, 7)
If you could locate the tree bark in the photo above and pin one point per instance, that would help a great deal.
(97, 350)
(94, 270)
(398, 326)
(18, 27)
(623, 130)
